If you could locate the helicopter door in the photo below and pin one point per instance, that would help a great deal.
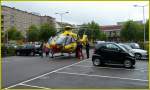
(70, 44)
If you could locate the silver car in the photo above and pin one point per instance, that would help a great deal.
(139, 53)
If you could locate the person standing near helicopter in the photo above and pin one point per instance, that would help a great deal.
(87, 47)
(79, 50)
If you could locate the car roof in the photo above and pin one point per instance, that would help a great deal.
(103, 43)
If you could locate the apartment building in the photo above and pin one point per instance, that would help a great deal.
(22, 19)
(112, 32)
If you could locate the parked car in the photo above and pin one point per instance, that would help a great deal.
(139, 53)
(37, 44)
(113, 53)
(98, 42)
(133, 45)
(28, 49)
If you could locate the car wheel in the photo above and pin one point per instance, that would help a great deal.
(138, 56)
(128, 64)
(18, 53)
(96, 62)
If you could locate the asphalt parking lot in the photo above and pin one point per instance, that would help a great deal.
(68, 72)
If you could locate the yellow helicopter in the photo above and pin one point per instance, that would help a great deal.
(65, 42)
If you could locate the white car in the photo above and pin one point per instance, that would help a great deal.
(98, 42)
(139, 53)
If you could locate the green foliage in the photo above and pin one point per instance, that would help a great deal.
(92, 30)
(13, 34)
(147, 30)
(46, 31)
(95, 30)
(103, 36)
(147, 47)
(33, 33)
(2, 36)
(3, 50)
(7, 51)
(10, 51)
(132, 31)
(19, 35)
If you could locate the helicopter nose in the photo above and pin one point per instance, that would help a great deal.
(56, 46)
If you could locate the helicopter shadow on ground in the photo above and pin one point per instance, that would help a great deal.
(63, 57)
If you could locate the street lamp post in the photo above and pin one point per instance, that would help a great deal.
(61, 16)
(142, 6)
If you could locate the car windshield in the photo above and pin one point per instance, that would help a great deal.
(28, 46)
(133, 45)
(126, 47)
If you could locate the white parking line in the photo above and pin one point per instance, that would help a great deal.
(43, 75)
(142, 80)
(34, 86)
(142, 70)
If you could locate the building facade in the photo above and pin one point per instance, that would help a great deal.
(22, 20)
(112, 32)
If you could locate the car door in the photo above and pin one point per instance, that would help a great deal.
(113, 53)
(105, 53)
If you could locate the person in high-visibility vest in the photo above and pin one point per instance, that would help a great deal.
(46, 48)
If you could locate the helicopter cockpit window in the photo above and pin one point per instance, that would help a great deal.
(68, 40)
(73, 40)
(60, 39)
(50, 39)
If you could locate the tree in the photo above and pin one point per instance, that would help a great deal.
(33, 33)
(19, 35)
(2, 36)
(102, 36)
(46, 31)
(147, 30)
(14, 34)
(132, 31)
(92, 30)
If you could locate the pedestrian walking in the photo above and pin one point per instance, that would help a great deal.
(87, 47)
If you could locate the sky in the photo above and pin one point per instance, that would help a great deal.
(103, 13)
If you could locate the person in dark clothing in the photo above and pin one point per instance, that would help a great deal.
(87, 47)
(76, 54)
(41, 49)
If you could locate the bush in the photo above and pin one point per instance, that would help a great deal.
(7, 51)
(147, 47)
(10, 51)
(144, 46)
(3, 50)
